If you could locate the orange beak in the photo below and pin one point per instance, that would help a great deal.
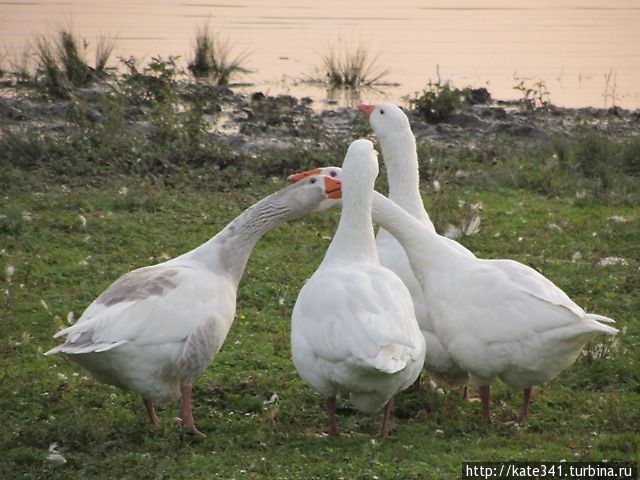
(366, 110)
(296, 177)
(333, 187)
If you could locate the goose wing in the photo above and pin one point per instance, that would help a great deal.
(362, 317)
(148, 306)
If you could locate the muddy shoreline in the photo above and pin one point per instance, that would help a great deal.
(254, 123)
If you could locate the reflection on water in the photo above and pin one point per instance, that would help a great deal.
(574, 46)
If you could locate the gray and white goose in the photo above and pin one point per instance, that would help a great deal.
(157, 328)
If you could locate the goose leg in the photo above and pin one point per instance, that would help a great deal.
(465, 393)
(484, 392)
(331, 412)
(384, 428)
(187, 412)
(416, 384)
(151, 411)
(524, 413)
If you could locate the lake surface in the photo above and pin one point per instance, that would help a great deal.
(586, 51)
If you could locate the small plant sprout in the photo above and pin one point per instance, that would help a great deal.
(610, 87)
(534, 95)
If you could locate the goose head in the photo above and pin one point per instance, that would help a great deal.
(386, 119)
(312, 193)
(333, 172)
(361, 162)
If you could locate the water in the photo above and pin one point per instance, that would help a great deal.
(586, 51)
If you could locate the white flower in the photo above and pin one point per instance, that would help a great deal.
(123, 191)
(83, 220)
(436, 186)
(607, 261)
(9, 272)
(27, 216)
(71, 318)
(619, 219)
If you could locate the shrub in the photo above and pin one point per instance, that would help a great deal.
(156, 81)
(438, 102)
(630, 157)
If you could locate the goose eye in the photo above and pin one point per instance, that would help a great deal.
(313, 180)
(381, 112)
(332, 173)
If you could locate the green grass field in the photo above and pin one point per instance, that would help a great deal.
(60, 248)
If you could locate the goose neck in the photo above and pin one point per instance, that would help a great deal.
(427, 251)
(229, 251)
(401, 160)
(354, 238)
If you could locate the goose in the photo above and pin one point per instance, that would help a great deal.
(495, 318)
(397, 142)
(156, 328)
(392, 255)
(353, 326)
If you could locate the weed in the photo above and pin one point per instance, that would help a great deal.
(534, 95)
(49, 73)
(353, 68)
(62, 63)
(21, 64)
(594, 158)
(156, 81)
(104, 49)
(438, 102)
(610, 88)
(630, 157)
(72, 57)
(214, 58)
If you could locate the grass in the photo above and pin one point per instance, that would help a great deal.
(214, 58)
(345, 66)
(62, 63)
(68, 228)
(60, 263)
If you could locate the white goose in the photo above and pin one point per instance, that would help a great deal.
(156, 329)
(353, 326)
(400, 156)
(495, 318)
